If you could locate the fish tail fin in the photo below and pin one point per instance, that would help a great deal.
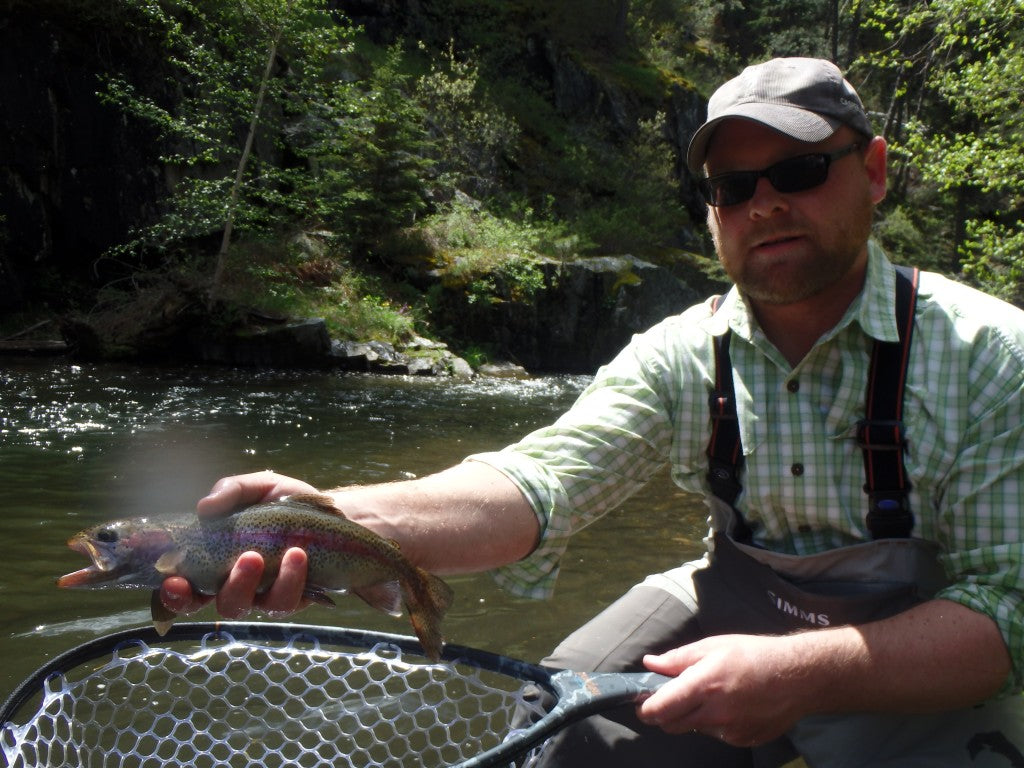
(428, 600)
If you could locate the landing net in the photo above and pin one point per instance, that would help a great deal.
(228, 702)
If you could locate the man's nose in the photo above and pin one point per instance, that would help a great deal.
(766, 200)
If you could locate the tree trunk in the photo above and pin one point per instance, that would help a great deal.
(229, 223)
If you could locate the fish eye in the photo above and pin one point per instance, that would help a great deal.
(107, 536)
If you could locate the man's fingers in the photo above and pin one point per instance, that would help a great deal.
(674, 661)
(235, 598)
(673, 707)
(285, 594)
(238, 596)
(177, 596)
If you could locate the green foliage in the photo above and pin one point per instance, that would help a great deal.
(477, 355)
(759, 29)
(664, 32)
(308, 277)
(917, 233)
(216, 53)
(957, 122)
(463, 226)
(726, 35)
(495, 258)
(639, 206)
(472, 138)
(992, 258)
(381, 169)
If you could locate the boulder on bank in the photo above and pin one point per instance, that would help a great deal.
(381, 357)
(587, 310)
(301, 344)
(307, 344)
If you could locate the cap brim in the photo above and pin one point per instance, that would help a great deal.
(799, 124)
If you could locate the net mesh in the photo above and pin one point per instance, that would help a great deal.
(228, 703)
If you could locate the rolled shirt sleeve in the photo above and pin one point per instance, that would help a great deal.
(615, 437)
(980, 503)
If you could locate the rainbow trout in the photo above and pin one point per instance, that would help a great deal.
(343, 557)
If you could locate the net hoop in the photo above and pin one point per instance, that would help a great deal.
(264, 693)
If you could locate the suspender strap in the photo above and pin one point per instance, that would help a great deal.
(881, 434)
(725, 450)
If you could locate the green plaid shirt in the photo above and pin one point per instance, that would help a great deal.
(964, 415)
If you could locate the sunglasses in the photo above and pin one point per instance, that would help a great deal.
(795, 174)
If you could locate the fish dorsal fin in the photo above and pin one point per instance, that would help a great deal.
(320, 501)
(168, 562)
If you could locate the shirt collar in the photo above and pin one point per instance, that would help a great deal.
(877, 311)
(874, 309)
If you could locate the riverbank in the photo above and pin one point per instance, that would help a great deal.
(577, 314)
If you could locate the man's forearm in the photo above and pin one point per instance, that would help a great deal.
(749, 689)
(467, 518)
(937, 656)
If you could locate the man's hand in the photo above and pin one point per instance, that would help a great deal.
(238, 595)
(230, 494)
(748, 689)
(735, 688)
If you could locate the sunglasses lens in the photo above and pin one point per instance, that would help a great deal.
(729, 188)
(799, 173)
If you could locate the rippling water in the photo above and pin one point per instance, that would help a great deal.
(80, 444)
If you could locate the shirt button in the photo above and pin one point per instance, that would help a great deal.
(793, 385)
(797, 469)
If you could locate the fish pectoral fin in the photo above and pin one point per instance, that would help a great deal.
(384, 596)
(318, 595)
(168, 562)
(163, 616)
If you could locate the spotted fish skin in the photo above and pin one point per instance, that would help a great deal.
(343, 556)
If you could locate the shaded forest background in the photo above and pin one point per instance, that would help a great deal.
(394, 166)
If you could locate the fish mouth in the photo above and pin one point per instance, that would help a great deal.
(83, 578)
(102, 568)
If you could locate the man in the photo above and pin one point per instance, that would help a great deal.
(860, 628)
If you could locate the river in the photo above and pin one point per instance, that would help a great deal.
(80, 444)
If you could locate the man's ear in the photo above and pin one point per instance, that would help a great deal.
(875, 163)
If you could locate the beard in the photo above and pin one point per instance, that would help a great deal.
(791, 280)
(771, 266)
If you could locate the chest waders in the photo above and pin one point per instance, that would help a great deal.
(750, 590)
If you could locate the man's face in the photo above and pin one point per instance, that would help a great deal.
(784, 248)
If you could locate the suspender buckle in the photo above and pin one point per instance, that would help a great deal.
(889, 515)
(723, 479)
(721, 405)
(881, 435)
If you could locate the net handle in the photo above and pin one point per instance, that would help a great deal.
(579, 695)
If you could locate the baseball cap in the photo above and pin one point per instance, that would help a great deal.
(807, 99)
